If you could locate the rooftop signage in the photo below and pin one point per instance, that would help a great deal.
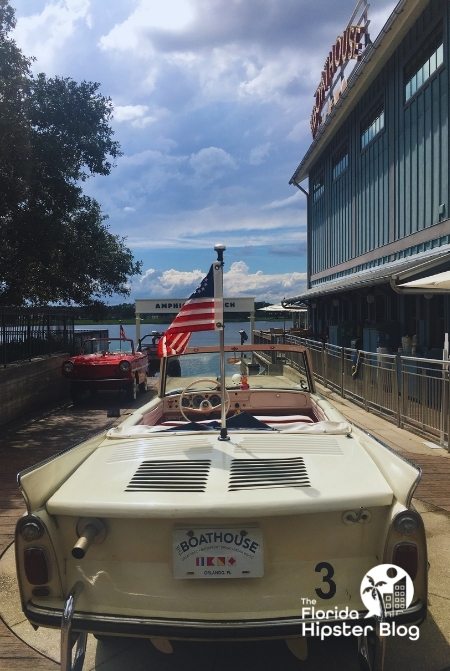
(348, 46)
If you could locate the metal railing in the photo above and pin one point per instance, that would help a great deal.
(26, 333)
(412, 392)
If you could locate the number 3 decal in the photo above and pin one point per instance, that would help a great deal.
(331, 591)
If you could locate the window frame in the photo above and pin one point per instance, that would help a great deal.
(338, 157)
(420, 60)
(369, 121)
(318, 188)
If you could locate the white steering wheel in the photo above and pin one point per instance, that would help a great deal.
(205, 406)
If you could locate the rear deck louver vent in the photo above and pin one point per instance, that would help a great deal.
(170, 476)
(267, 474)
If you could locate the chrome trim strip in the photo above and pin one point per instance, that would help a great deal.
(198, 629)
(414, 486)
(66, 634)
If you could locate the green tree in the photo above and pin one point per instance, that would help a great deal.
(54, 134)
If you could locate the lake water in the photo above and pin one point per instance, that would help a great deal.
(200, 338)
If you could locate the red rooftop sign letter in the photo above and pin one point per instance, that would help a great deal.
(347, 46)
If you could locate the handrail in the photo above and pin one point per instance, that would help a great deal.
(412, 392)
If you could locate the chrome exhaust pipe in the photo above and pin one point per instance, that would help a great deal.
(89, 531)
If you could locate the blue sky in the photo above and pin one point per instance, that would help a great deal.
(212, 103)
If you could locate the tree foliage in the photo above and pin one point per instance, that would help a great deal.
(54, 134)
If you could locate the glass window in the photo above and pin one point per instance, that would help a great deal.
(418, 75)
(372, 128)
(318, 189)
(340, 163)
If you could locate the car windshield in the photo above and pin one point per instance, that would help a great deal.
(253, 369)
(150, 340)
(94, 345)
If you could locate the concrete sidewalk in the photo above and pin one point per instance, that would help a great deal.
(399, 439)
(434, 488)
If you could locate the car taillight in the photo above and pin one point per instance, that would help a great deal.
(36, 566)
(31, 529)
(405, 555)
(407, 523)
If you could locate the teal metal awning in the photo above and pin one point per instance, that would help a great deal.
(408, 275)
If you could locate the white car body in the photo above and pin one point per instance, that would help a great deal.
(164, 528)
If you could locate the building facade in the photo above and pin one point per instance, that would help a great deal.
(378, 194)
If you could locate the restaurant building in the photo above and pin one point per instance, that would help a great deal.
(378, 184)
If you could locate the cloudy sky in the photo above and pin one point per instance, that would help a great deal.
(212, 102)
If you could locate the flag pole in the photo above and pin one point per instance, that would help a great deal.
(219, 248)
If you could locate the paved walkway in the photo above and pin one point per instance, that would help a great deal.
(40, 437)
(434, 488)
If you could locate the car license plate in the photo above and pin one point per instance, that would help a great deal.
(212, 552)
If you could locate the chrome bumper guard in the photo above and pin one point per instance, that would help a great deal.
(68, 640)
(371, 652)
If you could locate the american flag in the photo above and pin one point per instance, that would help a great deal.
(203, 311)
(122, 335)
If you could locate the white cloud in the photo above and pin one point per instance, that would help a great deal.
(126, 36)
(130, 35)
(205, 43)
(136, 115)
(238, 281)
(148, 274)
(300, 129)
(236, 225)
(211, 163)
(259, 153)
(45, 35)
(170, 279)
(212, 104)
(285, 202)
(271, 77)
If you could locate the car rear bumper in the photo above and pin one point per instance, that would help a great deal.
(193, 629)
